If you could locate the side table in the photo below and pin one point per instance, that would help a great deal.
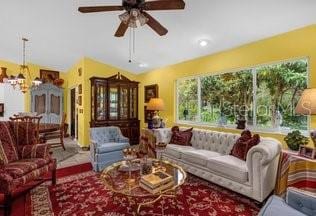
(295, 171)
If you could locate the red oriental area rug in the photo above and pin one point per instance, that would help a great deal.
(85, 194)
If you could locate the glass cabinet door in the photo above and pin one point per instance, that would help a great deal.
(124, 102)
(113, 102)
(133, 103)
(101, 102)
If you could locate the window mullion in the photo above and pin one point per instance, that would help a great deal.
(199, 99)
(254, 106)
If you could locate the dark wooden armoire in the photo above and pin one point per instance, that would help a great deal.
(114, 102)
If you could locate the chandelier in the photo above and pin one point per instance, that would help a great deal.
(24, 80)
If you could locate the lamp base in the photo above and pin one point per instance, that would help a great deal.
(156, 120)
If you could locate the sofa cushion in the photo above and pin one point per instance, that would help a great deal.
(8, 148)
(20, 168)
(110, 147)
(176, 150)
(181, 137)
(199, 157)
(229, 166)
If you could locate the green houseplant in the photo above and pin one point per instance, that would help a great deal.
(295, 139)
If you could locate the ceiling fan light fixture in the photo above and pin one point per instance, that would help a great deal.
(125, 17)
(132, 23)
(142, 19)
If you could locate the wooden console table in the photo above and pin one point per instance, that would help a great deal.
(295, 171)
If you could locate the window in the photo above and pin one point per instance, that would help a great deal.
(188, 99)
(226, 96)
(264, 96)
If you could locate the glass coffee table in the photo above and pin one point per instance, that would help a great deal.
(125, 182)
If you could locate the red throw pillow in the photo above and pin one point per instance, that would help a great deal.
(244, 144)
(181, 137)
(251, 143)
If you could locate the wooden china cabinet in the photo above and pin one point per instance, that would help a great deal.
(114, 102)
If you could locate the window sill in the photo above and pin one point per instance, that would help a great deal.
(274, 131)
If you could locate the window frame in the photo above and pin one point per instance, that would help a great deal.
(253, 70)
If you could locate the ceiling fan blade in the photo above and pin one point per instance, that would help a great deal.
(100, 9)
(121, 30)
(155, 25)
(164, 5)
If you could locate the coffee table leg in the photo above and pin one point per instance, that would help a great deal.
(153, 201)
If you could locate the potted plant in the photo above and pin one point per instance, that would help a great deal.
(295, 139)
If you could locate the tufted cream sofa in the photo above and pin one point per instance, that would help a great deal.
(209, 158)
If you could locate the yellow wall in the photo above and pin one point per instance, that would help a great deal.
(295, 44)
(14, 69)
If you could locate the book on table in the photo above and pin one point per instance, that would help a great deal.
(156, 179)
(158, 189)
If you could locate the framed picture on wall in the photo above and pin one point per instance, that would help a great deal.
(80, 100)
(49, 76)
(148, 114)
(151, 91)
(80, 89)
(1, 109)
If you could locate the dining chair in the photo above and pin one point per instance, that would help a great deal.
(58, 134)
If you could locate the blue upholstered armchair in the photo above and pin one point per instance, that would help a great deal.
(297, 203)
(106, 146)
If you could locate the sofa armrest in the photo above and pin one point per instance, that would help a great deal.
(262, 163)
(268, 149)
(35, 151)
(302, 201)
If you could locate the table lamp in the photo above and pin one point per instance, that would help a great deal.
(156, 105)
(307, 106)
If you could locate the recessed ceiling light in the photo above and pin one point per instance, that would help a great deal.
(143, 65)
(203, 43)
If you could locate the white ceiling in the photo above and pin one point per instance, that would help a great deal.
(60, 36)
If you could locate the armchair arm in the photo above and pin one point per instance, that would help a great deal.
(5, 183)
(302, 201)
(122, 139)
(35, 151)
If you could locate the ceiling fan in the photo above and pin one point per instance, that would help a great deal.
(135, 13)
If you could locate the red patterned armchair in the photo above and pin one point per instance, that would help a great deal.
(22, 160)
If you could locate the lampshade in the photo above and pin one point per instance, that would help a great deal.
(156, 104)
(307, 103)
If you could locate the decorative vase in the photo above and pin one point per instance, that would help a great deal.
(150, 124)
(241, 124)
(3, 75)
